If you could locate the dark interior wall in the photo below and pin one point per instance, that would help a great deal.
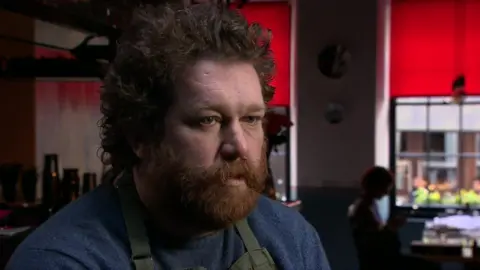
(17, 97)
(331, 158)
(336, 155)
(326, 209)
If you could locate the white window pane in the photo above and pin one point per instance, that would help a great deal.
(411, 117)
(444, 117)
(451, 146)
(471, 99)
(440, 99)
(471, 117)
(412, 100)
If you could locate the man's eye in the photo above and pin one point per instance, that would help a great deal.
(209, 120)
(253, 120)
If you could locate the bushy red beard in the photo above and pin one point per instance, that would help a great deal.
(199, 199)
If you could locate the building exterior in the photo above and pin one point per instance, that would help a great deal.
(437, 141)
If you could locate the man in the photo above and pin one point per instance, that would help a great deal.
(183, 107)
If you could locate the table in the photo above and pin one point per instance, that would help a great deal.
(447, 252)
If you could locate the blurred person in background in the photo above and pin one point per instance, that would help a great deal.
(420, 194)
(471, 196)
(443, 191)
(377, 243)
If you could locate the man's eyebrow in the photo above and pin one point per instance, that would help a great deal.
(257, 108)
(222, 107)
(209, 107)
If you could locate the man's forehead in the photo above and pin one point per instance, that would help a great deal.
(213, 85)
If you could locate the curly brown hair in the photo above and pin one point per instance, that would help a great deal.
(151, 56)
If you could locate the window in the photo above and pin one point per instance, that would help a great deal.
(478, 157)
(279, 163)
(437, 150)
(478, 143)
(403, 142)
(436, 141)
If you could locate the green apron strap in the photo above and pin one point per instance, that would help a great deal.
(133, 214)
(256, 258)
(247, 236)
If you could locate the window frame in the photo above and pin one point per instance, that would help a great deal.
(289, 193)
(395, 142)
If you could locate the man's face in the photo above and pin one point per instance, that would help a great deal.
(217, 115)
(215, 166)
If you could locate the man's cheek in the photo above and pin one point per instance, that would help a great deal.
(197, 155)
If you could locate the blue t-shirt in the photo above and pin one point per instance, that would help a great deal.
(90, 234)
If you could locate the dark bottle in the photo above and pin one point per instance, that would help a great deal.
(89, 182)
(51, 187)
(9, 176)
(29, 185)
(71, 185)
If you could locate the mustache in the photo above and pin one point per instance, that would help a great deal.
(163, 162)
(219, 174)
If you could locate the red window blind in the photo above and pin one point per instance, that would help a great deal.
(276, 17)
(432, 42)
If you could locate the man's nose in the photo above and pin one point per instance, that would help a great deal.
(234, 144)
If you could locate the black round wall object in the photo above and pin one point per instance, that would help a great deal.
(333, 61)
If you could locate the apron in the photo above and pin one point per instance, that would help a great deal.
(256, 257)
